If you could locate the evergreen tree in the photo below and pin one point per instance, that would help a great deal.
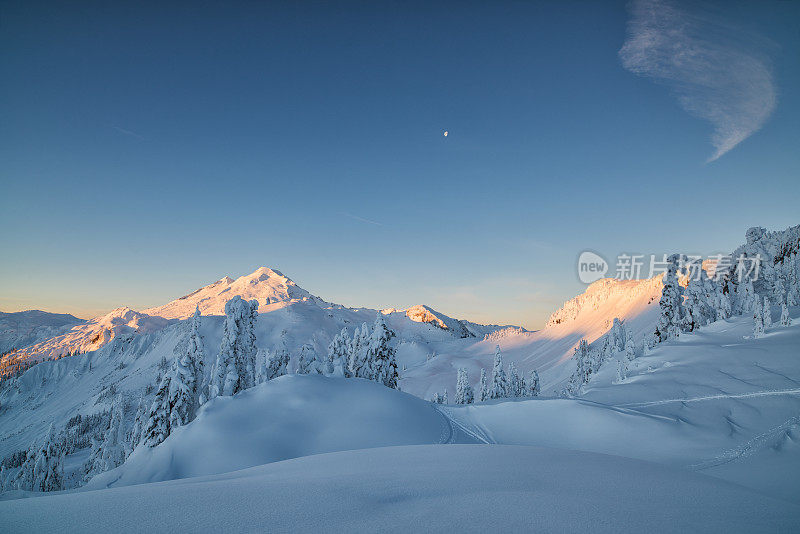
(113, 449)
(669, 322)
(499, 387)
(630, 347)
(339, 353)
(464, 393)
(183, 396)
(234, 370)
(303, 364)
(622, 370)
(483, 386)
(359, 365)
(758, 320)
(618, 335)
(157, 428)
(516, 384)
(767, 314)
(534, 387)
(43, 469)
(785, 319)
(381, 355)
(277, 363)
(135, 434)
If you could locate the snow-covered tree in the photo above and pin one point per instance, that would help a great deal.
(630, 347)
(464, 393)
(534, 388)
(767, 310)
(113, 449)
(359, 366)
(758, 320)
(499, 387)
(183, 395)
(135, 434)
(195, 356)
(618, 335)
(483, 386)
(785, 319)
(339, 353)
(746, 298)
(43, 469)
(156, 428)
(234, 370)
(622, 370)
(304, 360)
(381, 355)
(671, 318)
(277, 363)
(516, 383)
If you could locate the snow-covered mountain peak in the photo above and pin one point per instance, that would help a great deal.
(269, 287)
(425, 314)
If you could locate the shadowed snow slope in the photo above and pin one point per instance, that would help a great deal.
(432, 488)
(291, 416)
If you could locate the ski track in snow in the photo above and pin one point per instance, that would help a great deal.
(750, 447)
(454, 424)
(767, 393)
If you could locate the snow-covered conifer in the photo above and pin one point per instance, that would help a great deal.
(483, 386)
(669, 322)
(464, 393)
(277, 363)
(499, 387)
(618, 335)
(303, 364)
(758, 320)
(43, 469)
(630, 347)
(516, 383)
(183, 397)
(113, 449)
(622, 370)
(359, 365)
(785, 319)
(234, 369)
(381, 355)
(339, 351)
(157, 428)
(534, 387)
(767, 310)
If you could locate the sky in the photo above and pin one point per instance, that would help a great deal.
(150, 148)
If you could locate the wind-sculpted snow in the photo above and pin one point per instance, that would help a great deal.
(291, 416)
(430, 488)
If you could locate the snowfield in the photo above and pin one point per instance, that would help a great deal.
(683, 416)
(444, 488)
(291, 416)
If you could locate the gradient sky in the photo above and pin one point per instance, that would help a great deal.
(147, 150)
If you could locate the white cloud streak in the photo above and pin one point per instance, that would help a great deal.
(717, 72)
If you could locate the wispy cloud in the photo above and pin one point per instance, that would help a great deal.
(718, 72)
(362, 219)
(127, 132)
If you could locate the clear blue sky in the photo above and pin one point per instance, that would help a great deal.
(146, 150)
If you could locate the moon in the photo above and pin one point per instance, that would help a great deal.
(445, 133)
